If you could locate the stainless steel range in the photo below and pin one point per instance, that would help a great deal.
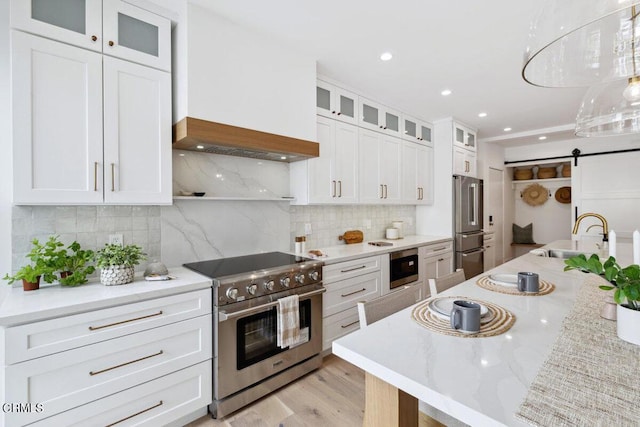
(247, 363)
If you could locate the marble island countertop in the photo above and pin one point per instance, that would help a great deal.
(18, 306)
(481, 381)
(346, 252)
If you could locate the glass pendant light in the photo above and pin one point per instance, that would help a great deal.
(579, 43)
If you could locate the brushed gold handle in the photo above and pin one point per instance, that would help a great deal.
(339, 188)
(350, 324)
(354, 292)
(381, 191)
(386, 193)
(95, 176)
(136, 414)
(95, 328)
(113, 177)
(101, 371)
(334, 189)
(94, 38)
(111, 43)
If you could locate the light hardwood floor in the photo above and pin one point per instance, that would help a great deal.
(330, 396)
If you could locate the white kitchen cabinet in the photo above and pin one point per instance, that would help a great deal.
(464, 162)
(70, 366)
(379, 167)
(436, 260)
(62, 153)
(113, 27)
(379, 118)
(489, 243)
(417, 130)
(336, 103)
(417, 174)
(464, 137)
(347, 283)
(332, 177)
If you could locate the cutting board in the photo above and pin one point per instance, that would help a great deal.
(352, 236)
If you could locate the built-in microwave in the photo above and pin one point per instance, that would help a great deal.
(403, 267)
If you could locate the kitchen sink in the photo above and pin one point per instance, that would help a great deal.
(563, 253)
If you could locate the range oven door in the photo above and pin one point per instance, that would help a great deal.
(246, 347)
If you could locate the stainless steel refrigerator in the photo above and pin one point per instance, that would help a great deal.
(467, 213)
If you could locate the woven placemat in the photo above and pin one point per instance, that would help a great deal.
(501, 320)
(485, 283)
(591, 376)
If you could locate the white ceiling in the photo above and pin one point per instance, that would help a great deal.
(475, 48)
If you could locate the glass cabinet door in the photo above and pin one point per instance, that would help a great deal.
(410, 129)
(346, 107)
(76, 22)
(425, 133)
(392, 123)
(459, 135)
(136, 35)
(471, 140)
(370, 115)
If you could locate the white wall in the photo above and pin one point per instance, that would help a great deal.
(243, 78)
(6, 169)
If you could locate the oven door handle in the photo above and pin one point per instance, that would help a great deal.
(223, 316)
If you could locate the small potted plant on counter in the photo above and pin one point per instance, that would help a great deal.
(626, 282)
(76, 266)
(117, 263)
(45, 259)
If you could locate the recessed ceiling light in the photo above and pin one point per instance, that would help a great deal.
(200, 147)
(482, 115)
(386, 56)
(507, 129)
(445, 92)
(542, 138)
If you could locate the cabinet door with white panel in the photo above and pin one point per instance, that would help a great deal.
(57, 121)
(137, 133)
(379, 167)
(436, 260)
(336, 103)
(464, 137)
(417, 174)
(464, 162)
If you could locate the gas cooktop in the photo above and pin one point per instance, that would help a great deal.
(247, 264)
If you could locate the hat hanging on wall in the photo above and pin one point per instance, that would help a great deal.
(535, 195)
(563, 194)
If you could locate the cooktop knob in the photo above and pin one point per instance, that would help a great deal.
(232, 293)
(269, 285)
(285, 281)
(300, 278)
(252, 289)
(314, 275)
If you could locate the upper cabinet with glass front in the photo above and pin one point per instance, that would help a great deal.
(112, 27)
(380, 118)
(336, 103)
(464, 137)
(416, 130)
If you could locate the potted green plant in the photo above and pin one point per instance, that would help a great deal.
(625, 281)
(117, 263)
(76, 266)
(45, 259)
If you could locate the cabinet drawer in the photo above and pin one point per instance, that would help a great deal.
(436, 249)
(72, 378)
(338, 325)
(52, 336)
(347, 269)
(154, 403)
(346, 293)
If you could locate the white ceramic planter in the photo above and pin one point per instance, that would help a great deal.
(628, 324)
(116, 275)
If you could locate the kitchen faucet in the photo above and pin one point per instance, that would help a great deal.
(605, 225)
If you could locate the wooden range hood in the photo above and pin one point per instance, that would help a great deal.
(219, 138)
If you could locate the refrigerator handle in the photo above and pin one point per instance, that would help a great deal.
(473, 204)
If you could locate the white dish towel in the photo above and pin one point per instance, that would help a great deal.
(288, 321)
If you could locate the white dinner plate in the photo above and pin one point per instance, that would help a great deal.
(441, 307)
(508, 280)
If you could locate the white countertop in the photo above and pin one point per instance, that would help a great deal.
(358, 250)
(18, 306)
(481, 381)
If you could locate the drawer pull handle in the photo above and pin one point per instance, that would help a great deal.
(440, 259)
(95, 328)
(353, 269)
(443, 248)
(92, 373)
(350, 324)
(136, 414)
(354, 292)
